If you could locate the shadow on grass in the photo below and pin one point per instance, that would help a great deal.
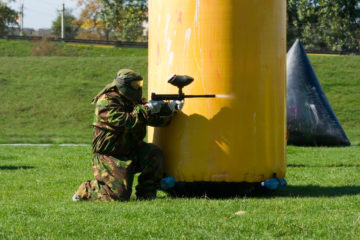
(15, 167)
(322, 165)
(240, 190)
(316, 191)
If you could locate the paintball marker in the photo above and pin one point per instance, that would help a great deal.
(179, 81)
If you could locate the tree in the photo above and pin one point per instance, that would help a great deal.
(324, 24)
(7, 18)
(92, 24)
(125, 17)
(72, 26)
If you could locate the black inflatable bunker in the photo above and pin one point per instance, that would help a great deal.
(310, 118)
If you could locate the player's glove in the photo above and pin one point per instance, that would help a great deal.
(154, 106)
(176, 105)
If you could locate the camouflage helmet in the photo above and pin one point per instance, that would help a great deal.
(123, 81)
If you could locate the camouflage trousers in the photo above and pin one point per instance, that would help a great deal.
(114, 175)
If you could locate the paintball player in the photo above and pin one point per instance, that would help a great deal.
(121, 117)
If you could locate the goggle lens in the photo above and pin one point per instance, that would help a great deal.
(136, 84)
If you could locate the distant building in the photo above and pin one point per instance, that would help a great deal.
(41, 32)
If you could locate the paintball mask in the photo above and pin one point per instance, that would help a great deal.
(129, 84)
(136, 84)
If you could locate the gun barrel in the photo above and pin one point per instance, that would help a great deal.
(155, 96)
(201, 96)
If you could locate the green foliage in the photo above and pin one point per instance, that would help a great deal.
(320, 202)
(92, 25)
(323, 24)
(7, 18)
(71, 26)
(126, 17)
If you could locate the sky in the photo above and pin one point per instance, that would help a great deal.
(41, 13)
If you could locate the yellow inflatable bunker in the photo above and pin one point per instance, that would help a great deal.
(235, 49)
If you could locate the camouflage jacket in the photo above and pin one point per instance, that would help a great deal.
(120, 124)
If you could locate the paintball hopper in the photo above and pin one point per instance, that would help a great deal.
(180, 81)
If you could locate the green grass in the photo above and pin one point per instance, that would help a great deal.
(13, 48)
(10, 48)
(47, 100)
(321, 202)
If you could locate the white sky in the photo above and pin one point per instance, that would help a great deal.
(41, 13)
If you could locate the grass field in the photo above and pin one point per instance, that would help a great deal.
(46, 100)
(10, 48)
(321, 202)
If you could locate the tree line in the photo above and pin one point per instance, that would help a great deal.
(8, 18)
(324, 24)
(320, 24)
(106, 20)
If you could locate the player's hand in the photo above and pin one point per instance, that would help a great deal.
(176, 105)
(154, 106)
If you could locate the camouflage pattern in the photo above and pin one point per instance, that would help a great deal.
(119, 150)
(114, 175)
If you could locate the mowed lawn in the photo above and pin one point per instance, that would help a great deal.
(47, 100)
(321, 202)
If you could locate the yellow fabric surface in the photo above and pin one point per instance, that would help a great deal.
(237, 50)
